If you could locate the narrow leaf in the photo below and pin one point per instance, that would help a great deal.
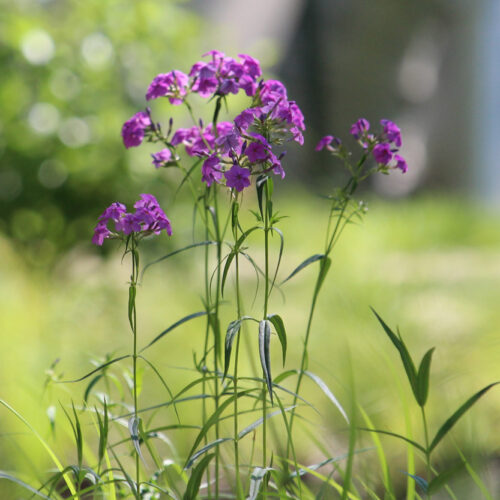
(232, 331)
(279, 326)
(393, 434)
(203, 450)
(324, 267)
(265, 361)
(259, 184)
(4, 475)
(259, 422)
(133, 428)
(445, 428)
(304, 264)
(327, 392)
(100, 367)
(235, 207)
(420, 481)
(256, 478)
(193, 485)
(423, 377)
(175, 252)
(408, 364)
(444, 477)
(172, 327)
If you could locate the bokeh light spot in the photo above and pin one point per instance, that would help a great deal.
(38, 47)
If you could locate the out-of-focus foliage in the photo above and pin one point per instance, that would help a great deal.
(72, 73)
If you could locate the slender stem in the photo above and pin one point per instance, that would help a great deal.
(427, 451)
(216, 332)
(239, 489)
(266, 299)
(133, 324)
(207, 332)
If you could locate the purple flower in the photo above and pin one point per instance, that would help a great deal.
(172, 85)
(228, 141)
(148, 218)
(250, 66)
(324, 142)
(133, 129)
(257, 151)
(401, 163)
(101, 232)
(360, 128)
(229, 86)
(248, 84)
(161, 158)
(245, 119)
(382, 153)
(276, 165)
(211, 170)
(392, 132)
(237, 178)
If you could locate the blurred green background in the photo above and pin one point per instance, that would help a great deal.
(426, 256)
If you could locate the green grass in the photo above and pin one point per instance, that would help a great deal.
(430, 265)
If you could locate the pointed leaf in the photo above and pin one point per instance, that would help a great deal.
(279, 326)
(304, 264)
(423, 377)
(444, 477)
(327, 392)
(172, 327)
(260, 420)
(203, 450)
(235, 207)
(408, 364)
(193, 485)
(171, 254)
(100, 367)
(232, 331)
(265, 361)
(393, 434)
(256, 478)
(445, 428)
(4, 475)
(133, 428)
(420, 481)
(324, 267)
(260, 184)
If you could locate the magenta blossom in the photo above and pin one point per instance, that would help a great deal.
(237, 178)
(382, 153)
(360, 128)
(148, 218)
(324, 142)
(401, 163)
(133, 130)
(211, 170)
(161, 158)
(392, 132)
(172, 85)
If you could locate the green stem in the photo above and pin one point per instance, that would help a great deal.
(239, 489)
(216, 332)
(427, 451)
(266, 299)
(133, 324)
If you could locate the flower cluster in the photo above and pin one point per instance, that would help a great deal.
(231, 151)
(383, 146)
(148, 218)
(221, 75)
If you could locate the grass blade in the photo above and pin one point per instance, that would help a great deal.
(232, 330)
(445, 428)
(408, 364)
(321, 384)
(423, 377)
(175, 252)
(304, 264)
(279, 326)
(193, 485)
(4, 475)
(100, 367)
(203, 450)
(172, 327)
(444, 477)
(393, 434)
